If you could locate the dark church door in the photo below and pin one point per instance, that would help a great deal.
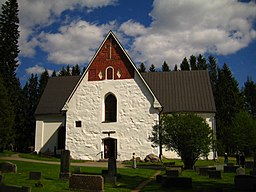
(110, 149)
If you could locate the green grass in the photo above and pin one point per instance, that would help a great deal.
(127, 178)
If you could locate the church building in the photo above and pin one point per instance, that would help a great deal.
(110, 110)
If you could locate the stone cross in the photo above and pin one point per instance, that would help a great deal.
(65, 164)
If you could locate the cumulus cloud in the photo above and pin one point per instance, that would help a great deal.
(36, 14)
(132, 28)
(35, 70)
(184, 27)
(74, 43)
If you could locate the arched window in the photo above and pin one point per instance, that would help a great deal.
(110, 108)
(110, 73)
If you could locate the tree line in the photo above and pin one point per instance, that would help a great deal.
(236, 108)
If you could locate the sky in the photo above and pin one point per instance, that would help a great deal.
(56, 33)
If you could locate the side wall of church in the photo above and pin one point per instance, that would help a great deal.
(135, 118)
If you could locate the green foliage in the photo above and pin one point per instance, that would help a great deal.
(201, 62)
(249, 92)
(184, 66)
(152, 68)
(75, 70)
(187, 134)
(142, 68)
(192, 62)
(6, 118)
(244, 131)
(165, 67)
(42, 82)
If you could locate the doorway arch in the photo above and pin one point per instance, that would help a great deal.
(110, 147)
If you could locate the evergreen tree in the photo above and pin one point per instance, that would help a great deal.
(6, 118)
(201, 63)
(228, 102)
(152, 68)
(175, 68)
(68, 72)
(54, 74)
(9, 35)
(213, 73)
(42, 82)
(249, 92)
(165, 67)
(142, 68)
(192, 62)
(75, 70)
(184, 66)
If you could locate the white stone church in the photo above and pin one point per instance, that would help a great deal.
(110, 110)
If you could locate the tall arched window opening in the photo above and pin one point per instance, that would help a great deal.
(110, 108)
(110, 73)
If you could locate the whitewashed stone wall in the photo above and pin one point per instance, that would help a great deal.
(135, 118)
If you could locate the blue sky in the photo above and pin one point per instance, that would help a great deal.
(54, 33)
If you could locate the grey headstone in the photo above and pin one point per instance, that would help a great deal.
(214, 174)
(172, 173)
(35, 175)
(65, 164)
(8, 167)
(112, 166)
(240, 171)
(86, 182)
(6, 188)
(203, 171)
(177, 182)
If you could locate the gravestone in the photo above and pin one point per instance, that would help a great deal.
(7, 188)
(65, 164)
(203, 171)
(86, 182)
(230, 169)
(177, 182)
(172, 173)
(111, 177)
(1, 179)
(240, 171)
(245, 182)
(8, 167)
(214, 174)
(33, 175)
(179, 169)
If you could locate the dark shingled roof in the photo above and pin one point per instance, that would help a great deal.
(182, 91)
(177, 91)
(56, 93)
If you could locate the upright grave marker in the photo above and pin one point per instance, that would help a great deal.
(65, 164)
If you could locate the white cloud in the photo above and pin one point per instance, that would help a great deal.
(36, 14)
(133, 28)
(75, 43)
(181, 28)
(35, 70)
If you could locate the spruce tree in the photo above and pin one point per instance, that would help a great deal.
(249, 92)
(165, 67)
(201, 62)
(42, 82)
(75, 70)
(184, 66)
(142, 68)
(192, 62)
(152, 68)
(213, 73)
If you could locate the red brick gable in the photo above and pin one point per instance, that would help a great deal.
(110, 63)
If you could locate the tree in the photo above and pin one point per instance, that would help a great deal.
(6, 118)
(142, 68)
(184, 66)
(187, 134)
(201, 62)
(75, 70)
(42, 82)
(9, 36)
(152, 68)
(192, 62)
(244, 131)
(175, 67)
(213, 72)
(249, 92)
(165, 67)
(228, 102)
(54, 74)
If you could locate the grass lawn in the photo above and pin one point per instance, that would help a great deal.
(127, 179)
